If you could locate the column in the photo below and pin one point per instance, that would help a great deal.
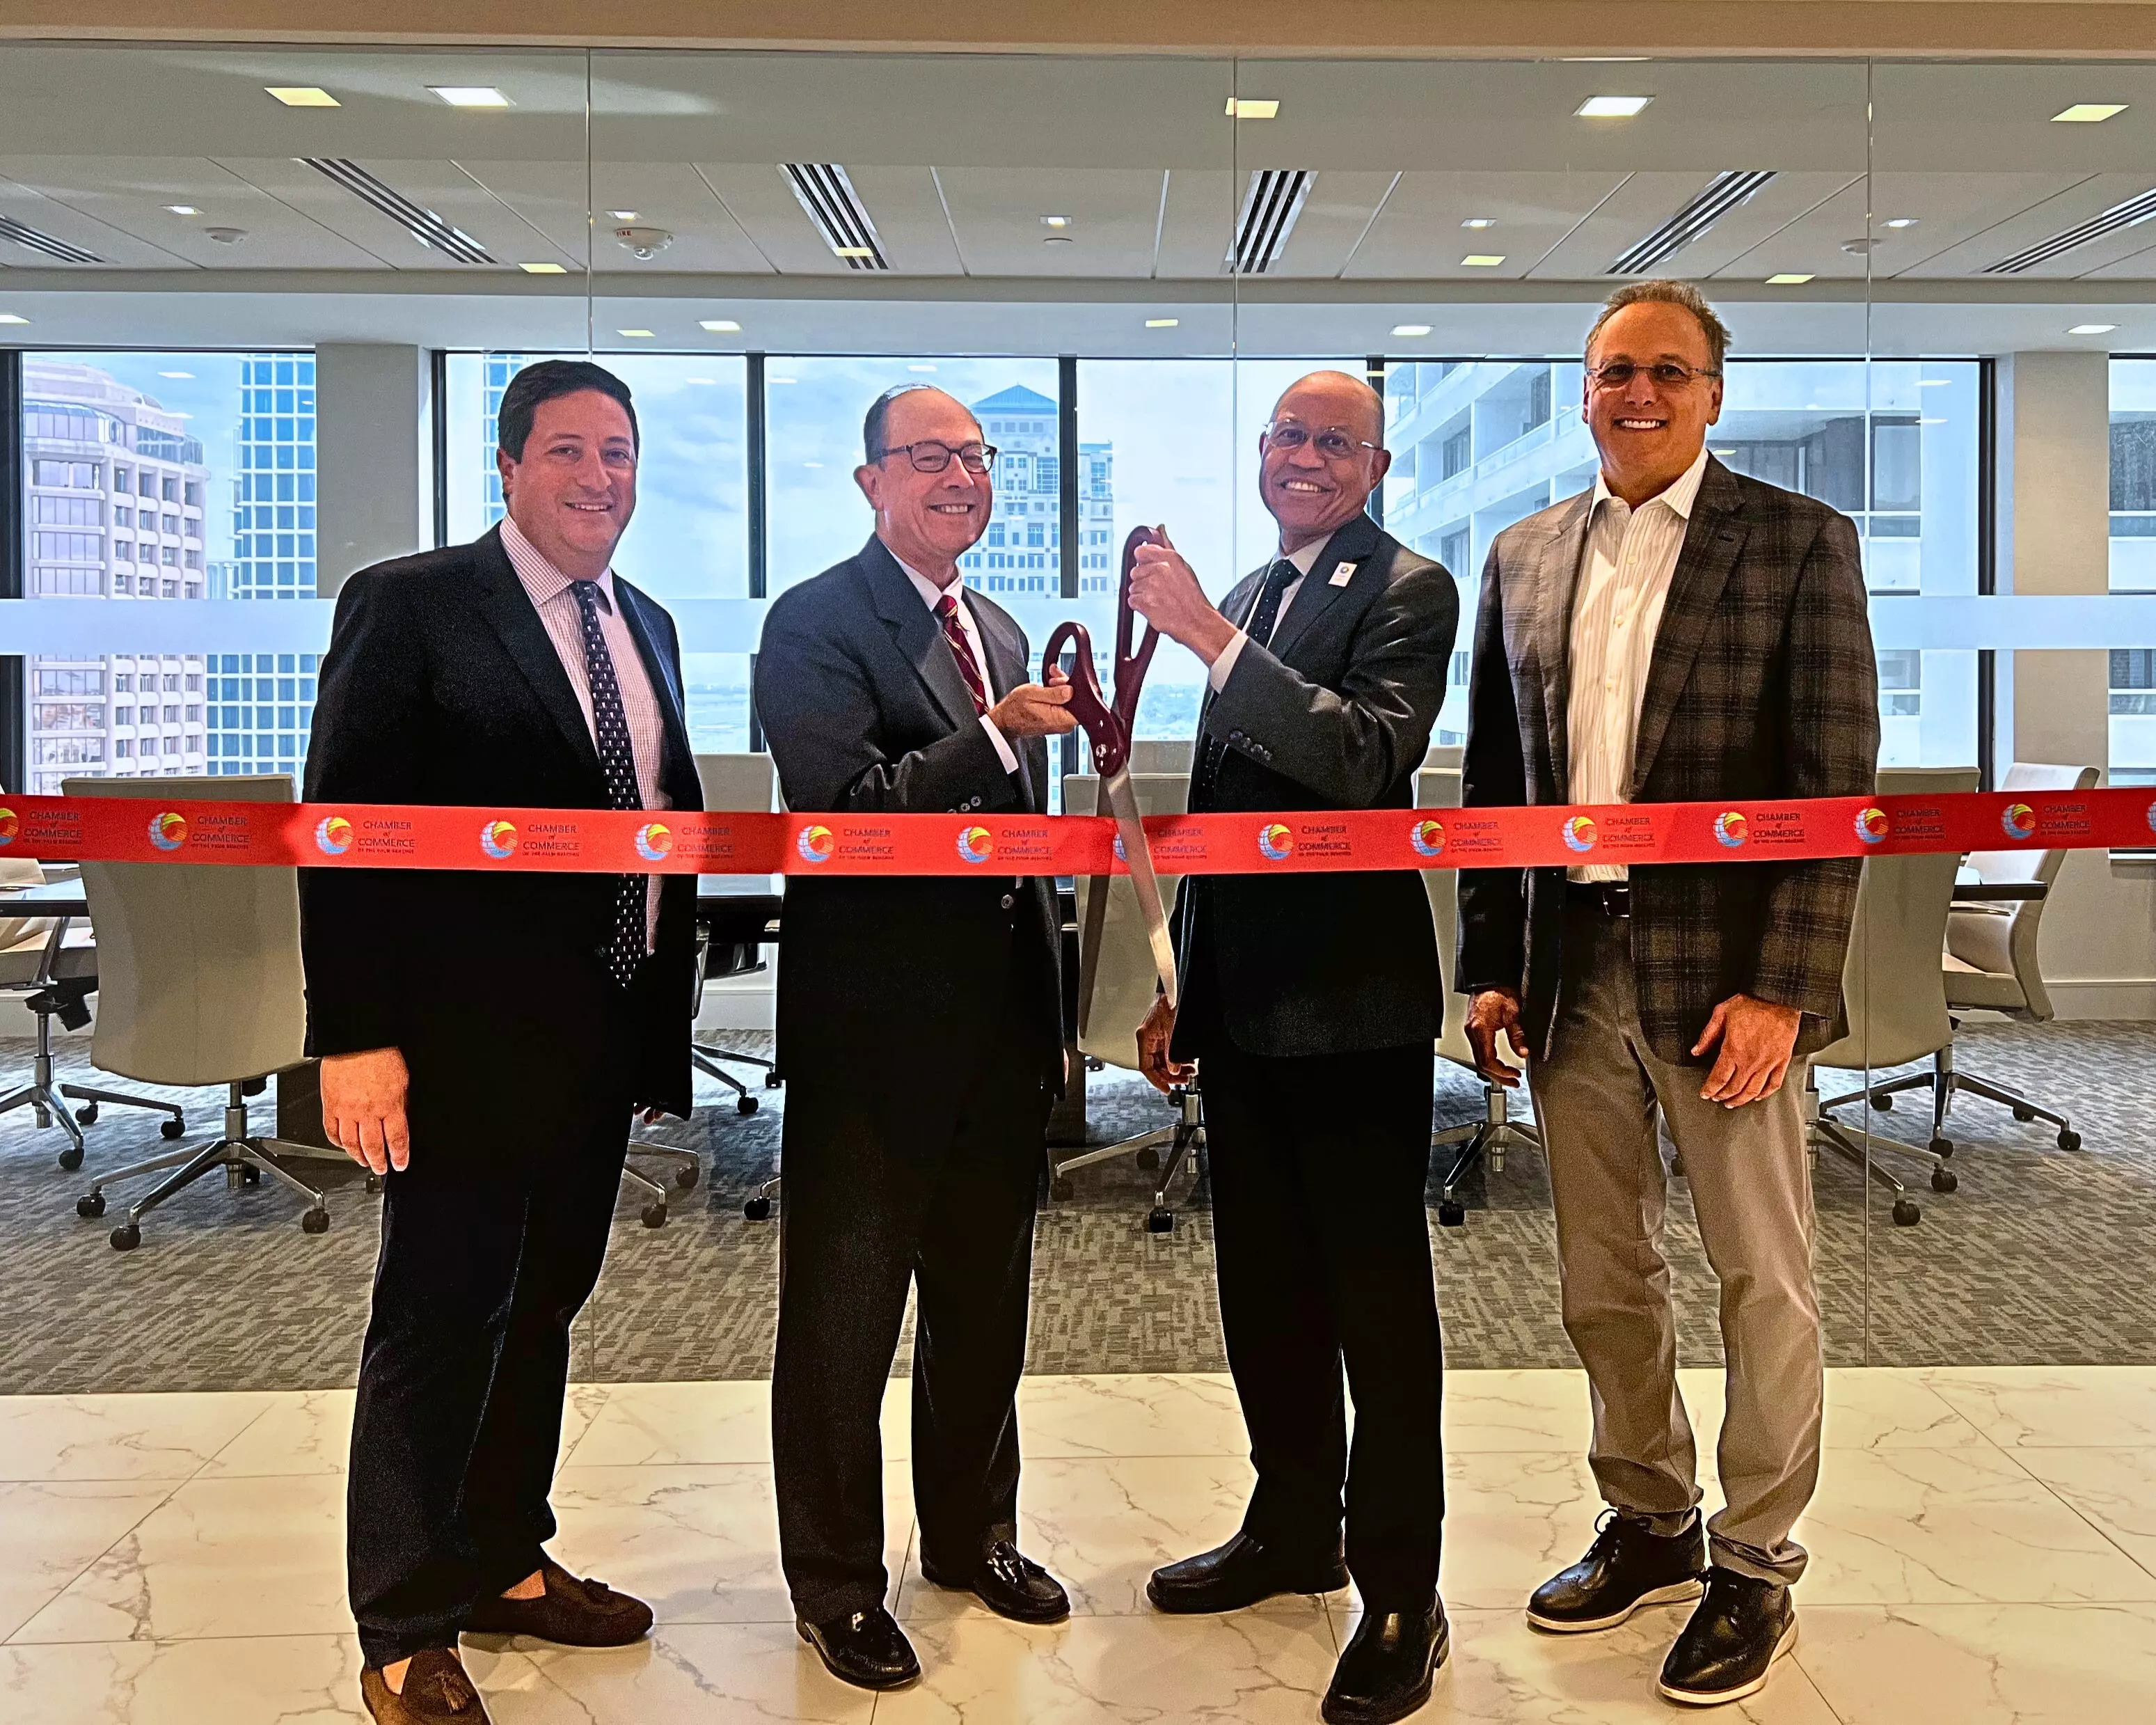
(373, 451)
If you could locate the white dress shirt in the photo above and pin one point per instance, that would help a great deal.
(1624, 576)
(931, 595)
(1302, 559)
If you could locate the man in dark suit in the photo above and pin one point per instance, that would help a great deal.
(486, 1036)
(920, 1026)
(1679, 634)
(1311, 1006)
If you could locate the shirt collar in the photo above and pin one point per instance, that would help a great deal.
(931, 595)
(1303, 558)
(1681, 493)
(541, 578)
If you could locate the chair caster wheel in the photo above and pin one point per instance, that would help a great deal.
(1149, 1158)
(772, 1081)
(2025, 1115)
(71, 1157)
(757, 1210)
(686, 1180)
(1884, 1105)
(1160, 1221)
(315, 1222)
(2069, 1138)
(86, 1116)
(1062, 1190)
(373, 1184)
(1451, 1213)
(90, 1206)
(1941, 1146)
(747, 1104)
(251, 1176)
(176, 1127)
(655, 1215)
(1944, 1180)
(1906, 1213)
(1676, 1167)
(127, 1237)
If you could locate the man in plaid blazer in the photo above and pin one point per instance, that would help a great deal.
(1680, 633)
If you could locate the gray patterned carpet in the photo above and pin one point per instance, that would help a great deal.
(2041, 1257)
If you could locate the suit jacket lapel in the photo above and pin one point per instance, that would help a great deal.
(1555, 585)
(1354, 543)
(919, 635)
(509, 611)
(1713, 539)
(1236, 608)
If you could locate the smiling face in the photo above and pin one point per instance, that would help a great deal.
(1308, 492)
(927, 521)
(575, 488)
(1648, 433)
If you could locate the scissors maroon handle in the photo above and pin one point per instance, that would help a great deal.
(1130, 668)
(1104, 723)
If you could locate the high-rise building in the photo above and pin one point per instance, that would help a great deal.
(1022, 550)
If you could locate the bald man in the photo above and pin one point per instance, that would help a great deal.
(1310, 1006)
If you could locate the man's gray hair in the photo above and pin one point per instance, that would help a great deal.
(1664, 291)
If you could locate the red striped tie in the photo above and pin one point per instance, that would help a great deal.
(962, 650)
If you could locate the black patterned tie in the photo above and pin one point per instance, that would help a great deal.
(1259, 629)
(624, 947)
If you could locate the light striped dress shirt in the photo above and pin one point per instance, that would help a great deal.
(548, 590)
(1623, 583)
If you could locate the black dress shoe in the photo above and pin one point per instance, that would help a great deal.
(868, 1650)
(1386, 1670)
(1239, 1573)
(1010, 1584)
(1629, 1565)
(1735, 1634)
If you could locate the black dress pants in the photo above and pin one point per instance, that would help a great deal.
(887, 1187)
(486, 1262)
(1322, 1244)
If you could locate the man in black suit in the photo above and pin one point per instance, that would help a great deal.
(486, 1036)
(1310, 1006)
(920, 1026)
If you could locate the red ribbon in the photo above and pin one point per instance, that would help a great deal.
(102, 829)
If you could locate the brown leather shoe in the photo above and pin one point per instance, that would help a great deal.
(572, 1613)
(436, 1692)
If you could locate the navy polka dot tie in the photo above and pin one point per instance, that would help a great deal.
(624, 947)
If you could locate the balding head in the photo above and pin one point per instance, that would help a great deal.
(1322, 455)
(1334, 397)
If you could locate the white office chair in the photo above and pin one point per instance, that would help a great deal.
(1123, 990)
(1162, 755)
(1893, 1002)
(1487, 1140)
(199, 982)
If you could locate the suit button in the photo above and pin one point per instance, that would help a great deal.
(1009, 900)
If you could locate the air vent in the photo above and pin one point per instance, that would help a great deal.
(2135, 210)
(1269, 208)
(424, 225)
(52, 248)
(1721, 194)
(837, 214)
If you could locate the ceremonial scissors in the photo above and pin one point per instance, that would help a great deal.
(1107, 720)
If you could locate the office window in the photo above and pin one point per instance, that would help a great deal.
(2133, 476)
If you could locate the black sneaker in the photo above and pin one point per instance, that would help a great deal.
(1629, 1565)
(1735, 1634)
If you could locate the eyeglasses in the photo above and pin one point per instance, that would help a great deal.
(1332, 443)
(1667, 374)
(929, 456)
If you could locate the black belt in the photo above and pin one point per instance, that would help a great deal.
(1605, 898)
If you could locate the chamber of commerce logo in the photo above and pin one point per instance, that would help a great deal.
(498, 839)
(2017, 820)
(1124, 856)
(1428, 837)
(1872, 825)
(9, 826)
(1731, 828)
(1580, 833)
(7, 831)
(815, 844)
(976, 844)
(168, 832)
(653, 842)
(333, 835)
(1276, 842)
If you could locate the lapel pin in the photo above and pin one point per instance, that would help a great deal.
(1343, 573)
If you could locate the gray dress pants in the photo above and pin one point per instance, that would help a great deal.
(1596, 1096)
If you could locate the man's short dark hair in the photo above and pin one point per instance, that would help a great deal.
(547, 380)
(879, 416)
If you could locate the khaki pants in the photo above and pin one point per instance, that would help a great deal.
(1596, 1096)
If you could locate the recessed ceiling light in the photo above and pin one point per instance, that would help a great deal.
(471, 96)
(1933, 382)
(699, 380)
(2087, 113)
(624, 215)
(1244, 107)
(2091, 329)
(1055, 221)
(1789, 278)
(1930, 422)
(818, 464)
(921, 367)
(10, 317)
(635, 334)
(302, 96)
(542, 269)
(1411, 329)
(1163, 323)
(1479, 221)
(1482, 259)
(182, 209)
(176, 374)
(1902, 221)
(854, 251)
(782, 380)
(1611, 107)
(1723, 452)
(718, 326)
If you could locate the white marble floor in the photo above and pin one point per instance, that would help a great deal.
(1983, 1545)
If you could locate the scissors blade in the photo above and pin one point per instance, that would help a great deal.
(1089, 930)
(1121, 799)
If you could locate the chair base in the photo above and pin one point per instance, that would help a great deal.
(683, 1168)
(706, 1056)
(1823, 1132)
(244, 1157)
(1182, 1140)
(44, 1098)
(1483, 1140)
(1945, 1083)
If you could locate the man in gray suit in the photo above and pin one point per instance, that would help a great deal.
(1679, 634)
